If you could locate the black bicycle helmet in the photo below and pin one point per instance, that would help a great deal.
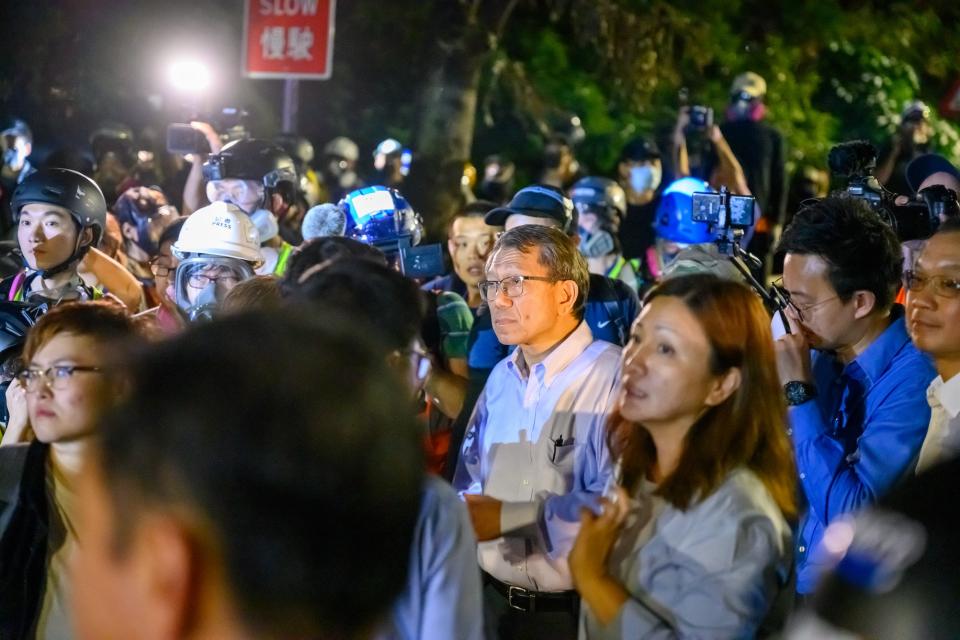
(251, 159)
(68, 189)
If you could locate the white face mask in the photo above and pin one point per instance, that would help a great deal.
(644, 178)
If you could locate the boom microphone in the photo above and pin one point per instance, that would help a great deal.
(323, 220)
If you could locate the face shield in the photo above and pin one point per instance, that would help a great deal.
(246, 194)
(203, 282)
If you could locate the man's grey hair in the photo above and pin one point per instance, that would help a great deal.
(556, 251)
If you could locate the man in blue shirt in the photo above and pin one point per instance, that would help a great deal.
(855, 383)
(535, 451)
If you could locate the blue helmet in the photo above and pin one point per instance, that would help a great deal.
(381, 217)
(674, 222)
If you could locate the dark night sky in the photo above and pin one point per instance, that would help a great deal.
(109, 59)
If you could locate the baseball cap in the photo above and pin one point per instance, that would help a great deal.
(640, 149)
(751, 84)
(17, 127)
(915, 110)
(538, 201)
(922, 167)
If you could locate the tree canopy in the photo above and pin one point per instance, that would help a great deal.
(835, 70)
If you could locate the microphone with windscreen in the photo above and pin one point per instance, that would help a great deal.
(323, 220)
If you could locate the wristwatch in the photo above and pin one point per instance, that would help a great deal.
(798, 392)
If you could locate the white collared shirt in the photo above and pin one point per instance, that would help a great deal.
(943, 434)
(536, 441)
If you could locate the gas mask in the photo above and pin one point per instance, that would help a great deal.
(203, 282)
(645, 178)
(266, 223)
(597, 244)
(745, 108)
(597, 226)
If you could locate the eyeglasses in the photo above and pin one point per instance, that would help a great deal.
(420, 363)
(943, 286)
(200, 280)
(512, 286)
(161, 269)
(57, 377)
(800, 309)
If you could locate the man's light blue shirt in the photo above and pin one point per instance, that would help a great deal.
(536, 441)
(442, 598)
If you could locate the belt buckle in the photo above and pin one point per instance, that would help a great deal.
(523, 593)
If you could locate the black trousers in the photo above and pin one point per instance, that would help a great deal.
(502, 622)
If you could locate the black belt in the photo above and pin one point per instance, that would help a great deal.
(534, 601)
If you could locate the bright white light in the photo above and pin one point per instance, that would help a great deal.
(190, 76)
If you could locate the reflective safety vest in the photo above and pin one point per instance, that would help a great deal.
(283, 257)
(614, 272)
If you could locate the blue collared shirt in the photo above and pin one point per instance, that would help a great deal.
(442, 597)
(859, 436)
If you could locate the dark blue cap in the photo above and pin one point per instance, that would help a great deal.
(922, 167)
(538, 201)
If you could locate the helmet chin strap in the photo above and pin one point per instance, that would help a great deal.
(75, 256)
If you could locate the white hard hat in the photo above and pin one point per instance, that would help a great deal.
(219, 229)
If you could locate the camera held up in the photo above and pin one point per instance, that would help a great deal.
(911, 217)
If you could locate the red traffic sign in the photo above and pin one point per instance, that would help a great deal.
(288, 38)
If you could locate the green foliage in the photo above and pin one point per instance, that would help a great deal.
(835, 72)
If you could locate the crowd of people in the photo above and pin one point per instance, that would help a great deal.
(243, 399)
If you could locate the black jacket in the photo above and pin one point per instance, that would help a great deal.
(25, 531)
(760, 151)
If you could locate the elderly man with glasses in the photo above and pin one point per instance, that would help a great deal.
(854, 382)
(933, 318)
(535, 453)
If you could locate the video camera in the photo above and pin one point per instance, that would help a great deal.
(912, 218)
(729, 216)
(184, 139)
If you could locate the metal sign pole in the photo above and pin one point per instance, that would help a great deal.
(291, 104)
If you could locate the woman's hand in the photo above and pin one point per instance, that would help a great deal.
(18, 427)
(588, 558)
